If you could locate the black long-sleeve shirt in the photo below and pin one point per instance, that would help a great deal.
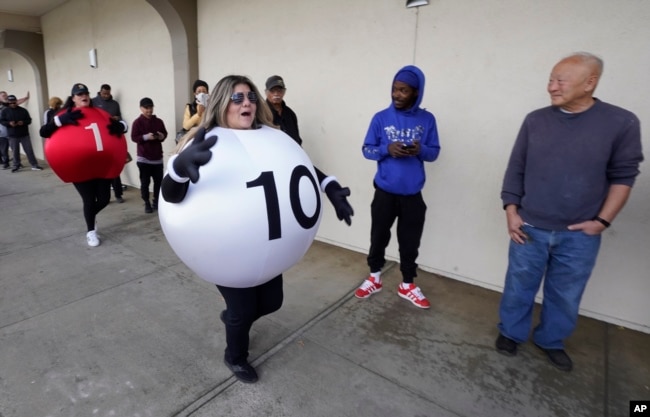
(288, 121)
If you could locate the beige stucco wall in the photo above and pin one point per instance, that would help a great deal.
(486, 63)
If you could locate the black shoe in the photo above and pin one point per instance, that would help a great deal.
(147, 207)
(506, 346)
(154, 205)
(5, 167)
(558, 358)
(36, 168)
(119, 200)
(245, 373)
(15, 169)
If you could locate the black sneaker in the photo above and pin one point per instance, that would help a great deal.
(558, 358)
(15, 169)
(506, 346)
(245, 372)
(120, 200)
(36, 168)
(147, 207)
(5, 167)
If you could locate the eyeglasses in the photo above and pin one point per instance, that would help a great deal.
(238, 98)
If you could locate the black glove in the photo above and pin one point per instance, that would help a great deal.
(115, 128)
(194, 156)
(70, 117)
(337, 196)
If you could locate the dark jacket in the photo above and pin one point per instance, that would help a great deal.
(110, 106)
(150, 150)
(288, 121)
(16, 114)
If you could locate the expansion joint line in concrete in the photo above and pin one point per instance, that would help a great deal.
(214, 392)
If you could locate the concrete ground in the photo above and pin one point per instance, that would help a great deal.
(126, 330)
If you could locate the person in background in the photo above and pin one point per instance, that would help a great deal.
(105, 101)
(400, 138)
(283, 116)
(17, 120)
(148, 131)
(95, 193)
(194, 109)
(234, 104)
(4, 140)
(54, 104)
(3, 98)
(287, 121)
(570, 173)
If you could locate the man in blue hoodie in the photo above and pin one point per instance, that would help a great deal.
(400, 138)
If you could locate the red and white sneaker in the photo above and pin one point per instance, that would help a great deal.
(369, 287)
(414, 295)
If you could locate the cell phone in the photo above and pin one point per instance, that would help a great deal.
(406, 147)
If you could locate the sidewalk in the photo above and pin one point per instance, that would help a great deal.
(126, 330)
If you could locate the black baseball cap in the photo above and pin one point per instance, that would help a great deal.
(274, 81)
(146, 102)
(11, 98)
(79, 89)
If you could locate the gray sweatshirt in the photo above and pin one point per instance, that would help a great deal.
(562, 164)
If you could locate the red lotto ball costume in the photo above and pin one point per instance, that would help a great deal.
(78, 153)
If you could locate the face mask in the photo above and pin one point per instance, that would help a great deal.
(202, 99)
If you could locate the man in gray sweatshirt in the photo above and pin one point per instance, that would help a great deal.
(571, 171)
(104, 100)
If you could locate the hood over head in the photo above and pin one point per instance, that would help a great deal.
(414, 77)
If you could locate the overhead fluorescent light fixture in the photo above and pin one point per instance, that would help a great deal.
(416, 3)
(10, 76)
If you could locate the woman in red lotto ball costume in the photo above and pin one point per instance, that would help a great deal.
(87, 148)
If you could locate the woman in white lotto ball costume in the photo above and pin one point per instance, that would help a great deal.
(241, 205)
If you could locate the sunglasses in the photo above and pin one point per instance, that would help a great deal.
(238, 98)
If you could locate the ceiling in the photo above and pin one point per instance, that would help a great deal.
(25, 15)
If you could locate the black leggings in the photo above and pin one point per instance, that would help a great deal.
(244, 307)
(95, 194)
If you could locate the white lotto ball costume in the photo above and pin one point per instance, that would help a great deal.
(252, 214)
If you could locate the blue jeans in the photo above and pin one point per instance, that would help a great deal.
(564, 259)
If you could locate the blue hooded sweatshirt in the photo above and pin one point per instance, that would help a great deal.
(402, 176)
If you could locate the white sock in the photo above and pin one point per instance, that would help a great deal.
(376, 276)
(405, 285)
